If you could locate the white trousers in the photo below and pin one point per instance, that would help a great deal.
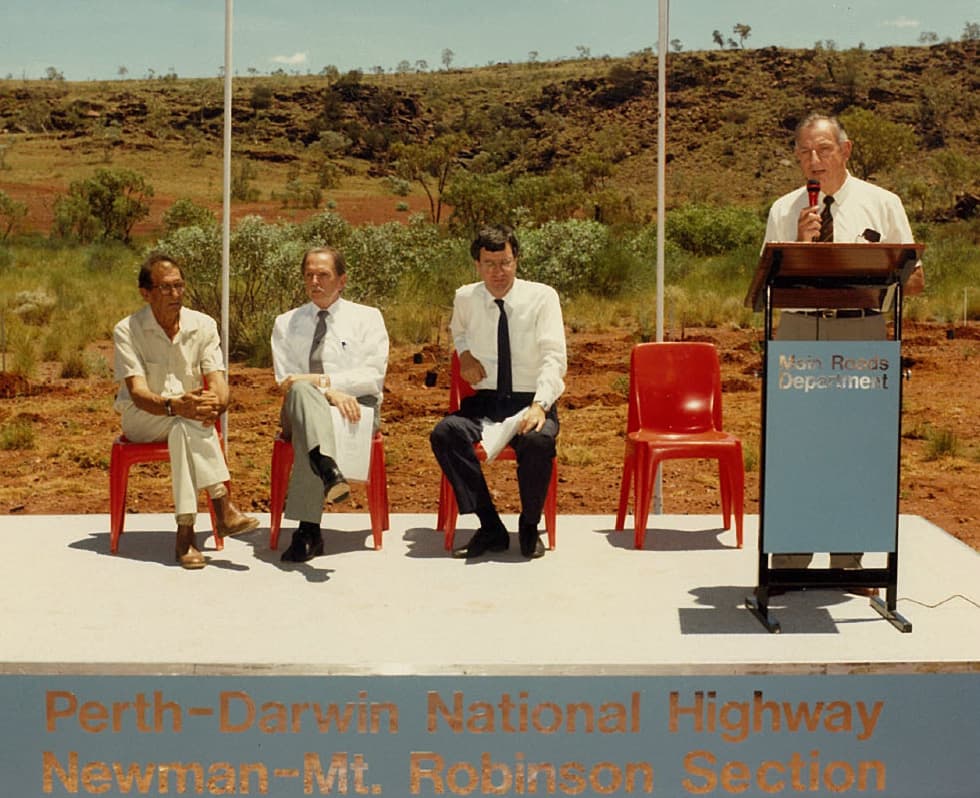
(196, 460)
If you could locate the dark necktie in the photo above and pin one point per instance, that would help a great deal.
(504, 379)
(316, 361)
(826, 221)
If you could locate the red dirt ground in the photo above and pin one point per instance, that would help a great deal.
(66, 471)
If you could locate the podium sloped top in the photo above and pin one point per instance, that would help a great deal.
(829, 275)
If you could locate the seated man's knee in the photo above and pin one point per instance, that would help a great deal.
(537, 444)
(440, 435)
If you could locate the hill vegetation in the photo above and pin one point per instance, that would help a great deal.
(553, 139)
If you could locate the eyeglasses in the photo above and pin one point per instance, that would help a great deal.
(823, 152)
(170, 288)
(502, 265)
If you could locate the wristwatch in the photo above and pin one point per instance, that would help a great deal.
(168, 405)
(542, 404)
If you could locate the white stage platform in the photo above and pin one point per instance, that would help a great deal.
(593, 606)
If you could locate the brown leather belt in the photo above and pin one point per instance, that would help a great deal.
(855, 313)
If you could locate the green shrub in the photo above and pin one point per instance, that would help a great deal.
(34, 307)
(186, 213)
(705, 230)
(18, 434)
(75, 365)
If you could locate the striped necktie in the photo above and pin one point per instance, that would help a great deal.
(826, 221)
(316, 359)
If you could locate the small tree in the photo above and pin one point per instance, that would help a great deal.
(878, 143)
(447, 57)
(430, 165)
(11, 213)
(186, 213)
(743, 32)
(107, 205)
(718, 39)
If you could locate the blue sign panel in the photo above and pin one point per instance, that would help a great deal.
(901, 736)
(830, 473)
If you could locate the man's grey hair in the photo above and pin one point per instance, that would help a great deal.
(813, 119)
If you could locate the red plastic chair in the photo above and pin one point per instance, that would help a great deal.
(674, 413)
(459, 389)
(125, 454)
(377, 487)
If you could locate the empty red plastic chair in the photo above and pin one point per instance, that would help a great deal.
(459, 389)
(125, 454)
(675, 412)
(377, 487)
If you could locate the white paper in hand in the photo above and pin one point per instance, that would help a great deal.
(497, 434)
(353, 441)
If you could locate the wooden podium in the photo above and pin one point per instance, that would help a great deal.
(831, 415)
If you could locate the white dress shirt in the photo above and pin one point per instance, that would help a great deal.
(858, 206)
(354, 350)
(537, 336)
(170, 368)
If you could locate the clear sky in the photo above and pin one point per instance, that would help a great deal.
(93, 39)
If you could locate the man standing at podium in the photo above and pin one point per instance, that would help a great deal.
(849, 210)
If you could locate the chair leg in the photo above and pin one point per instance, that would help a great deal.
(629, 465)
(737, 474)
(551, 505)
(377, 493)
(448, 512)
(725, 486)
(219, 542)
(645, 470)
(282, 463)
(118, 480)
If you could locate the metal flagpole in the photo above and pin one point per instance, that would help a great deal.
(662, 31)
(226, 207)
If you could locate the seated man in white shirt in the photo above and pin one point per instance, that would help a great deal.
(510, 338)
(173, 388)
(327, 352)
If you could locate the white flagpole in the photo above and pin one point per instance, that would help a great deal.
(226, 206)
(662, 37)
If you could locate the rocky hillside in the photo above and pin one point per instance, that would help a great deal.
(730, 115)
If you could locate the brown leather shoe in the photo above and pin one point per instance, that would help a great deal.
(186, 552)
(237, 525)
(866, 592)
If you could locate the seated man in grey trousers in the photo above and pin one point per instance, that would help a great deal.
(327, 352)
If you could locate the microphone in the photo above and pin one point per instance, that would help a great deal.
(812, 191)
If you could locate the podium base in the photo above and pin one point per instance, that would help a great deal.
(760, 609)
(889, 614)
(758, 605)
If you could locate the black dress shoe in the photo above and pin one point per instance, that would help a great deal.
(335, 487)
(482, 542)
(306, 544)
(531, 545)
